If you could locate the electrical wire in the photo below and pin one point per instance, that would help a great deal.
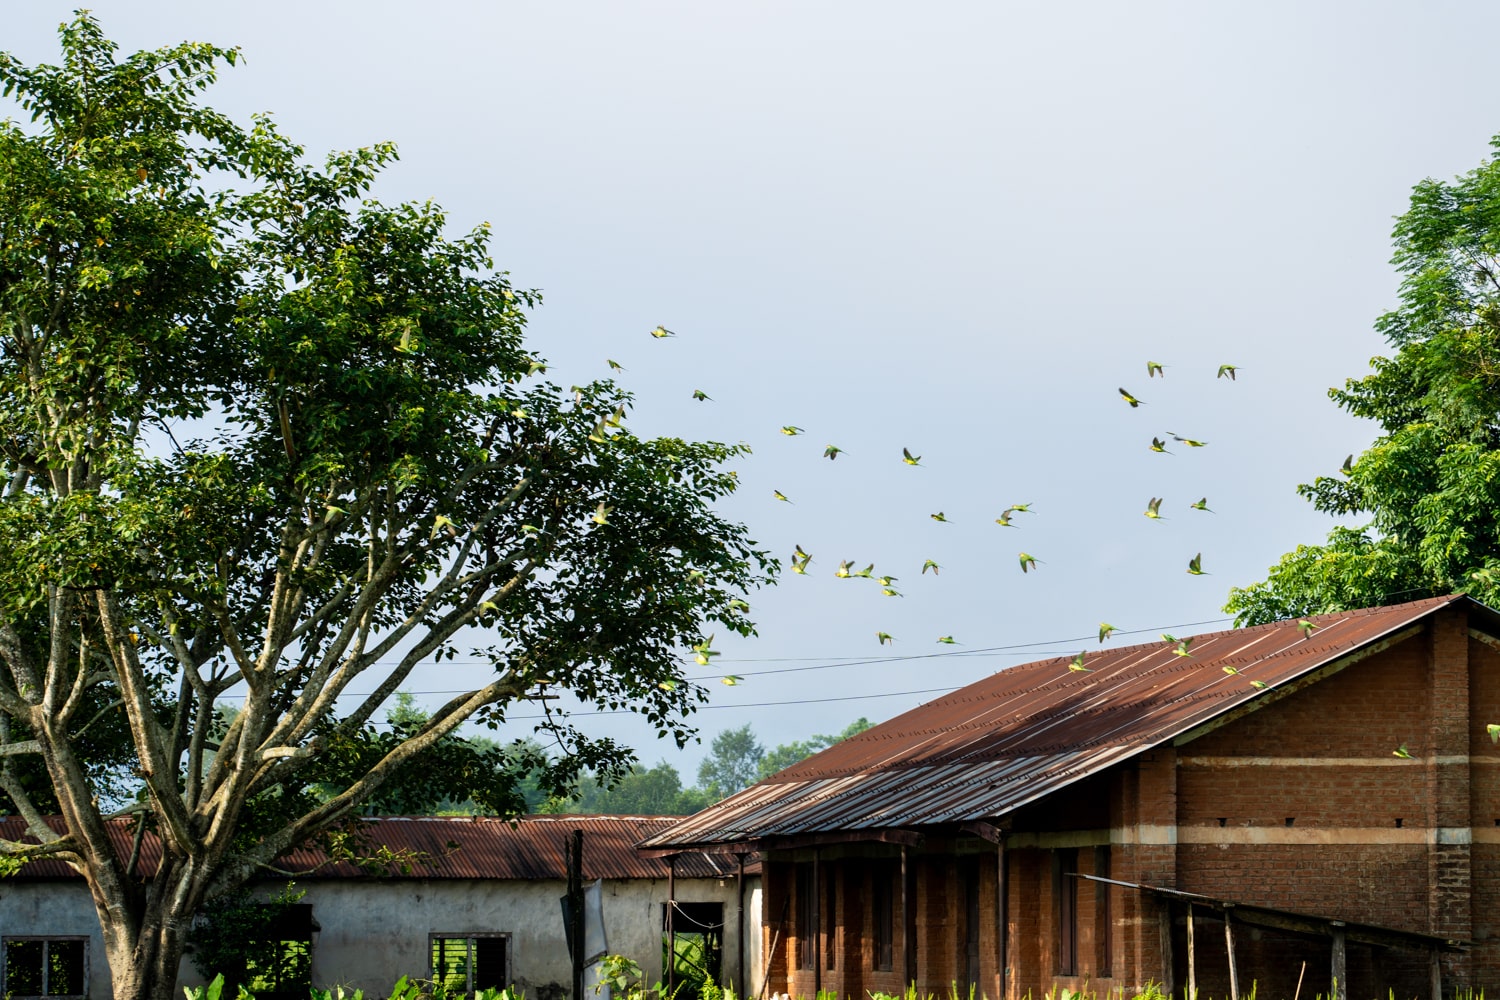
(823, 664)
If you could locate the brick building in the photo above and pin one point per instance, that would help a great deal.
(1285, 805)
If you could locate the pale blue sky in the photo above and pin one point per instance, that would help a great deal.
(953, 227)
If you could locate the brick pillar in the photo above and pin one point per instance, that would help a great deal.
(1450, 862)
(1144, 821)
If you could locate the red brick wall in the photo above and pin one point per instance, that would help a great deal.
(1298, 806)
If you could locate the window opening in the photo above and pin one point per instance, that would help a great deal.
(804, 928)
(468, 963)
(830, 918)
(1103, 918)
(46, 967)
(968, 873)
(883, 915)
(279, 966)
(1065, 906)
(700, 945)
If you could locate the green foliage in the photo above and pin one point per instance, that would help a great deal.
(735, 760)
(261, 432)
(456, 775)
(732, 763)
(213, 990)
(231, 934)
(787, 754)
(656, 791)
(1430, 483)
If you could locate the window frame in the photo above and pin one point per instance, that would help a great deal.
(805, 889)
(883, 878)
(471, 937)
(1065, 909)
(6, 939)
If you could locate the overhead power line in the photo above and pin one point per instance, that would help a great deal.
(835, 662)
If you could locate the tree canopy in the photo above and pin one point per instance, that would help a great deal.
(1429, 486)
(736, 760)
(270, 441)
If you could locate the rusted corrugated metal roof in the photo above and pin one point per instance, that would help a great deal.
(1018, 735)
(477, 847)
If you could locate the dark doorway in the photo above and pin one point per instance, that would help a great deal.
(968, 874)
(699, 931)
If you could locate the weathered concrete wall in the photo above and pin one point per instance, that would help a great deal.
(374, 932)
(61, 909)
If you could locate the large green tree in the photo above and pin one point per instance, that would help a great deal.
(262, 436)
(1428, 488)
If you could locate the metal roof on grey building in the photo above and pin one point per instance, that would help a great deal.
(456, 847)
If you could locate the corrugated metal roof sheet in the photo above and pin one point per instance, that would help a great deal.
(464, 847)
(1014, 737)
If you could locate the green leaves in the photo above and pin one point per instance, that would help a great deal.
(1430, 483)
(259, 431)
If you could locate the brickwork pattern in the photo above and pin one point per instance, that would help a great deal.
(1299, 806)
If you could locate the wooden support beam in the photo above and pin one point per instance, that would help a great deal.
(1234, 975)
(671, 969)
(1168, 985)
(1002, 917)
(1192, 957)
(743, 976)
(908, 917)
(575, 908)
(1339, 988)
(817, 921)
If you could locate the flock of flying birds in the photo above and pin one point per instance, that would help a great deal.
(703, 652)
(801, 559)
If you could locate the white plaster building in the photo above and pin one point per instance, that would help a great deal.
(486, 906)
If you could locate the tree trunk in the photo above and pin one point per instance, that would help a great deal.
(144, 951)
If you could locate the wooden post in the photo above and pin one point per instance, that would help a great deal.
(1340, 987)
(1002, 916)
(908, 919)
(1192, 957)
(1435, 973)
(743, 979)
(817, 919)
(575, 907)
(1164, 930)
(1234, 976)
(671, 969)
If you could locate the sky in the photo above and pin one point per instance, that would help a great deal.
(956, 228)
